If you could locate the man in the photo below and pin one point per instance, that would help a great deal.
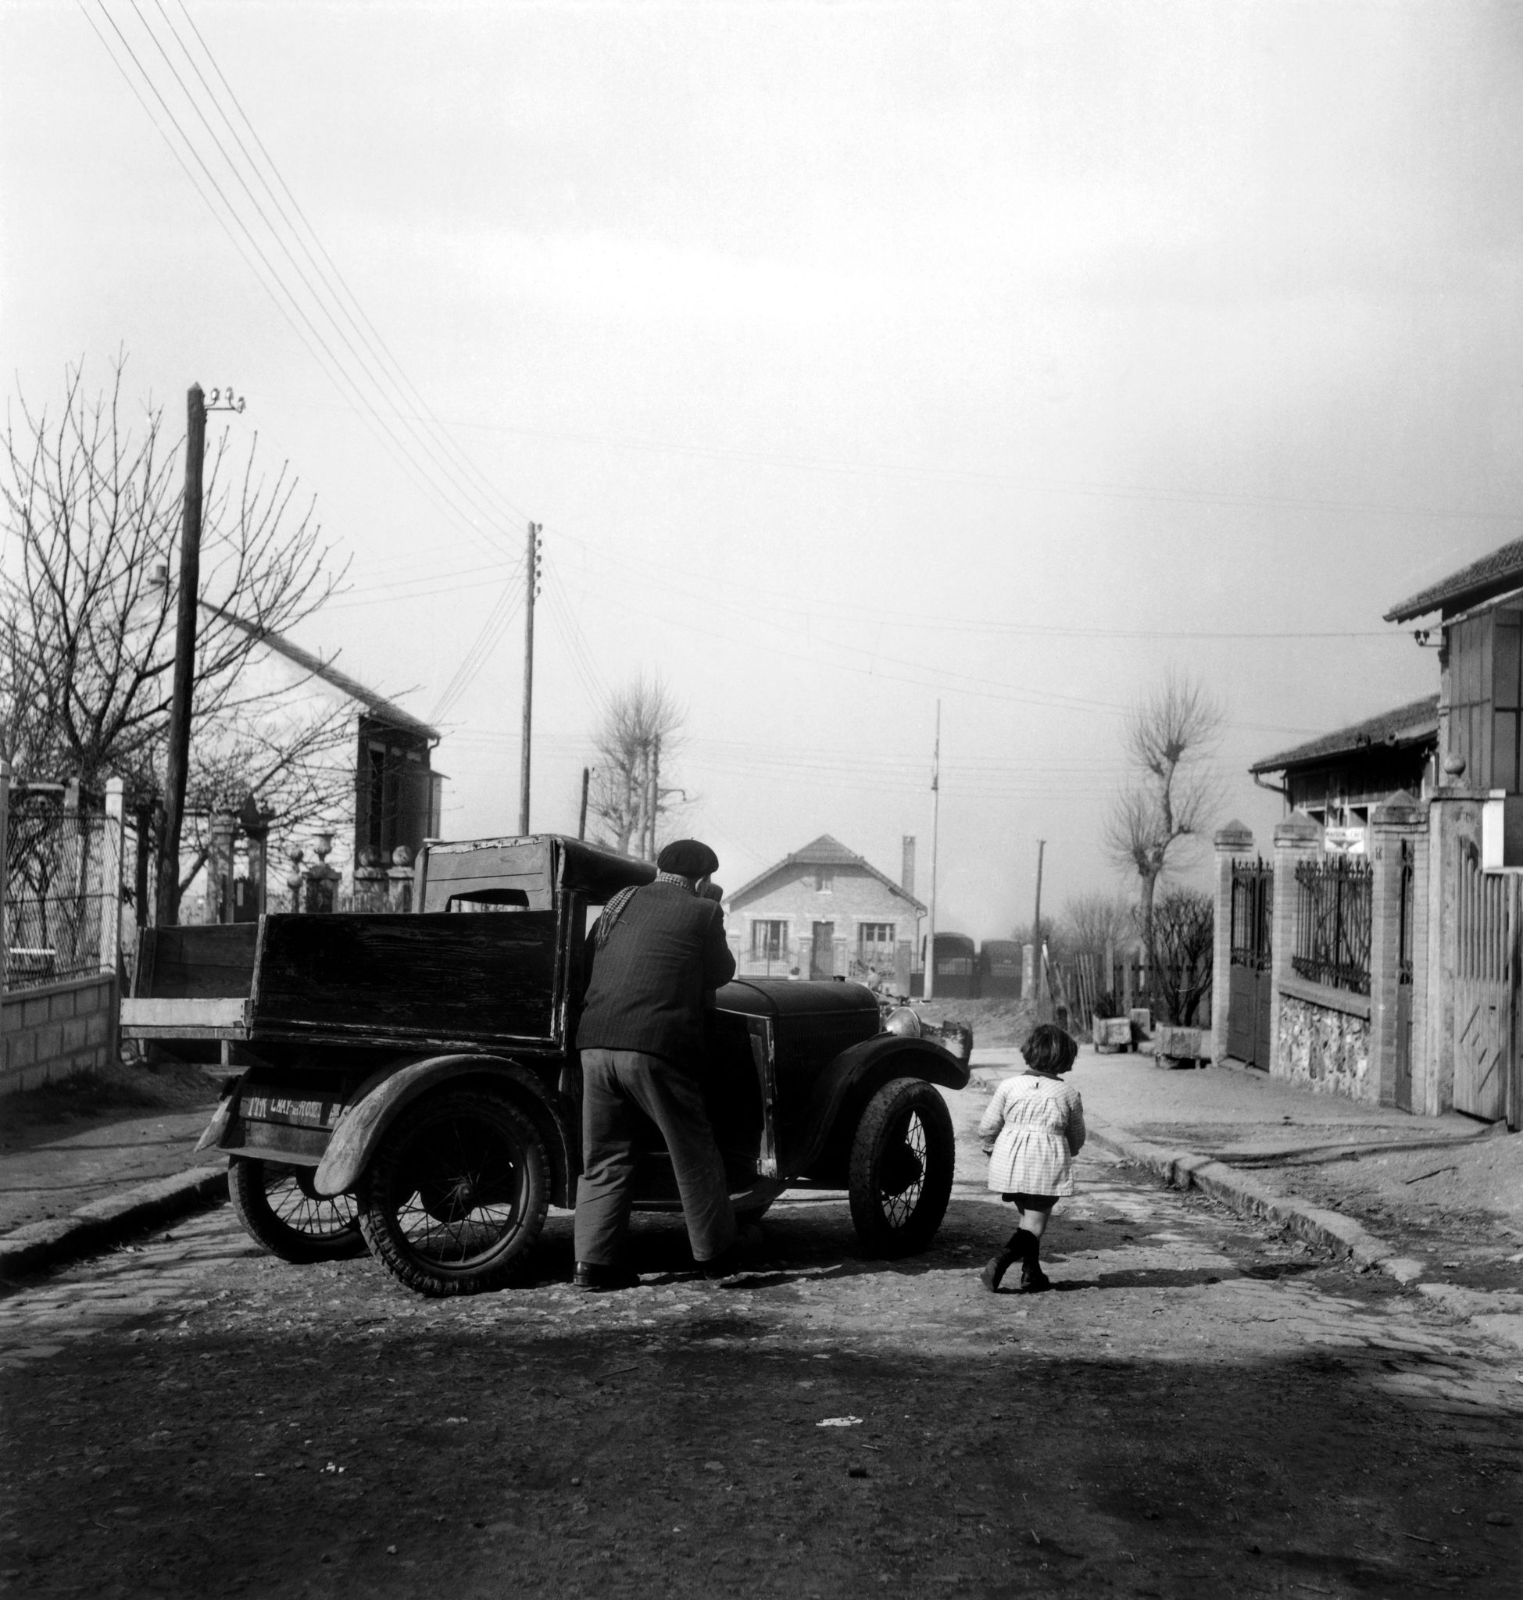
(658, 953)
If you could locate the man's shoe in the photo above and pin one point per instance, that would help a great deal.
(590, 1275)
(727, 1264)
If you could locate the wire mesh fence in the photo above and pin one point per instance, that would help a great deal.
(62, 876)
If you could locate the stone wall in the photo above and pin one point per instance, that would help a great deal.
(60, 1030)
(1325, 1048)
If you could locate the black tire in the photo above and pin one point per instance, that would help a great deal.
(900, 1176)
(280, 1210)
(457, 1193)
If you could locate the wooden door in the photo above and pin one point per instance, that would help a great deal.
(1486, 933)
(822, 957)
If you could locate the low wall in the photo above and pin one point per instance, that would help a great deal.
(56, 1031)
(1324, 1042)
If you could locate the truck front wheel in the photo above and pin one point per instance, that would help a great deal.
(456, 1194)
(280, 1209)
(902, 1157)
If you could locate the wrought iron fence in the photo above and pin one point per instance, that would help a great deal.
(1408, 880)
(1333, 900)
(61, 883)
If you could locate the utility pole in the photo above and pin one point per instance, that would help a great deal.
(581, 826)
(177, 759)
(1038, 967)
(928, 987)
(531, 569)
(655, 791)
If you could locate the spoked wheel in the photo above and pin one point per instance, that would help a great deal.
(901, 1168)
(457, 1194)
(280, 1209)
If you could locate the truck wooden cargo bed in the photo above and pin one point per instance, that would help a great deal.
(436, 981)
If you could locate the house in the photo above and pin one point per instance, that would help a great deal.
(827, 912)
(1377, 950)
(1336, 778)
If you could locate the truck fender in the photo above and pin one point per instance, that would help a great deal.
(865, 1067)
(378, 1104)
(220, 1117)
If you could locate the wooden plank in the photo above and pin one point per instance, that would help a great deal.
(159, 1012)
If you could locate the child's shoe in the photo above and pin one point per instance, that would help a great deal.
(1033, 1279)
(994, 1269)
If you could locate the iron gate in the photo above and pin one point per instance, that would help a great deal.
(1251, 981)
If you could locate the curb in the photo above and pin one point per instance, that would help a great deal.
(104, 1223)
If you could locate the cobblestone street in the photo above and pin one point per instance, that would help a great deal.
(1200, 1407)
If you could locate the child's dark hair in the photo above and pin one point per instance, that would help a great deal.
(1049, 1049)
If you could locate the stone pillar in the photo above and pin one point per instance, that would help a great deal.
(1296, 839)
(113, 851)
(218, 906)
(1454, 829)
(1401, 818)
(371, 882)
(321, 891)
(259, 868)
(1230, 842)
(400, 877)
(5, 822)
(1028, 974)
(294, 880)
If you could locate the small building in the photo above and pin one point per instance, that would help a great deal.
(1337, 778)
(827, 912)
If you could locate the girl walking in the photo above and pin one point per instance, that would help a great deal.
(1039, 1123)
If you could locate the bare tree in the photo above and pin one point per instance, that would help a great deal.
(1093, 922)
(92, 517)
(641, 730)
(1172, 794)
(1184, 925)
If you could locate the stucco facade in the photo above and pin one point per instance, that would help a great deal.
(828, 913)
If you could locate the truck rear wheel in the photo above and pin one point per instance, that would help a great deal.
(900, 1176)
(456, 1194)
(280, 1209)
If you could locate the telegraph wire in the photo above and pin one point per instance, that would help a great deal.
(486, 641)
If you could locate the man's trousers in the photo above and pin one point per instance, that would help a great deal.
(623, 1093)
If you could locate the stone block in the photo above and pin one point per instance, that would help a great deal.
(61, 1005)
(74, 1035)
(1179, 1044)
(34, 1012)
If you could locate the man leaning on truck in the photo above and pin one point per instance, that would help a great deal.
(658, 953)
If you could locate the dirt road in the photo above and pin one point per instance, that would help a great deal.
(1199, 1409)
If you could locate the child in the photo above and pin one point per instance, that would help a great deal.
(1040, 1123)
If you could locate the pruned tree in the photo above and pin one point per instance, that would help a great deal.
(1093, 923)
(1172, 794)
(1184, 926)
(640, 732)
(92, 508)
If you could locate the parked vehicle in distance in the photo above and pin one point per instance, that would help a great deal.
(409, 1082)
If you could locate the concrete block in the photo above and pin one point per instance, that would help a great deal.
(98, 1028)
(49, 1040)
(61, 1005)
(20, 1050)
(73, 1035)
(34, 1012)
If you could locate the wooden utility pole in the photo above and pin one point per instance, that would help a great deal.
(531, 589)
(1038, 966)
(581, 826)
(177, 759)
(655, 791)
(928, 985)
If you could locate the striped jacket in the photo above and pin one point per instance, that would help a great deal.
(1040, 1126)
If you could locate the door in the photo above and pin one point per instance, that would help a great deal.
(822, 957)
(1403, 1086)
(1250, 980)
(1486, 915)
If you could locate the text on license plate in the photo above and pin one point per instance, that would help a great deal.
(276, 1108)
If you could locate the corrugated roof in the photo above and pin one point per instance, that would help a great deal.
(379, 707)
(1416, 723)
(1490, 575)
(824, 852)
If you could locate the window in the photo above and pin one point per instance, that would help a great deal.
(824, 879)
(874, 936)
(769, 941)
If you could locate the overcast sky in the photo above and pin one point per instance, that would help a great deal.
(852, 357)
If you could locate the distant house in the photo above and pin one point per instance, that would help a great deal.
(1336, 778)
(827, 912)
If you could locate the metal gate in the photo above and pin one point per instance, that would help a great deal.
(1485, 964)
(1251, 982)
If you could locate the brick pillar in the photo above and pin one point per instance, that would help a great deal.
(1391, 824)
(1296, 839)
(1230, 842)
(113, 851)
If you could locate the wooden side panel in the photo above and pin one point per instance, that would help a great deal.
(432, 977)
(215, 962)
(1483, 994)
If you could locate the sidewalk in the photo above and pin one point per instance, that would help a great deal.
(83, 1166)
(1435, 1202)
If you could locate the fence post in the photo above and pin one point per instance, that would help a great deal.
(1399, 819)
(5, 856)
(1230, 842)
(113, 854)
(1296, 839)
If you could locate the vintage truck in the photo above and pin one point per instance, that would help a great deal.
(409, 1082)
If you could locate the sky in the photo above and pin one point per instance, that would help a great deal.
(854, 359)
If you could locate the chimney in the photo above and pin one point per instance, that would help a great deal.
(907, 871)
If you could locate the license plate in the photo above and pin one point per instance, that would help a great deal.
(278, 1108)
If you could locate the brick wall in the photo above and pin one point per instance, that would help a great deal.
(60, 1030)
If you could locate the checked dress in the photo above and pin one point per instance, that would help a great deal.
(1040, 1125)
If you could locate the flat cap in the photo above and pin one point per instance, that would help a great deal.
(688, 858)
